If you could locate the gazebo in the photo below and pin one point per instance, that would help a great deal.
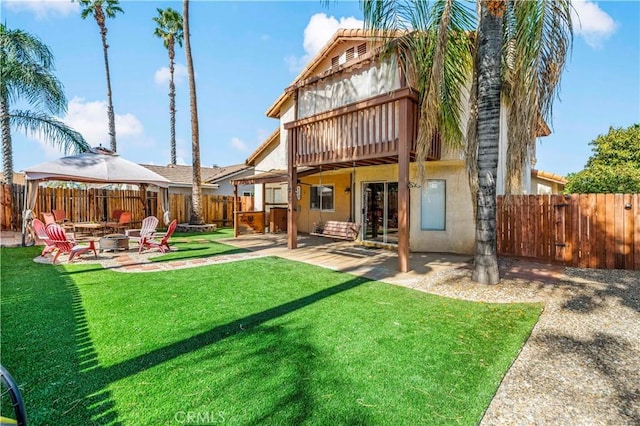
(98, 165)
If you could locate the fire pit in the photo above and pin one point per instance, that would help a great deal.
(114, 242)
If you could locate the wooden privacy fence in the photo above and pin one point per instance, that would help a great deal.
(93, 204)
(580, 230)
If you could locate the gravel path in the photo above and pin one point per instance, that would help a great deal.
(581, 365)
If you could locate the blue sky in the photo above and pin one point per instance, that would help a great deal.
(246, 53)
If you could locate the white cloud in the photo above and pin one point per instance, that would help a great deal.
(43, 9)
(592, 23)
(90, 119)
(239, 145)
(162, 75)
(316, 34)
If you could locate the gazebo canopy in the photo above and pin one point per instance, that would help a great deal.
(99, 165)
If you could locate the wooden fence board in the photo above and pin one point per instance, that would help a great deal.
(95, 204)
(636, 232)
(581, 230)
(628, 232)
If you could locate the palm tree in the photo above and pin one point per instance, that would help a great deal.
(27, 75)
(196, 189)
(100, 10)
(517, 51)
(170, 31)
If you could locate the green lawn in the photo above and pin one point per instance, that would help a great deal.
(259, 341)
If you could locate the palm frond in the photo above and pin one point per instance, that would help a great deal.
(538, 35)
(24, 48)
(35, 85)
(50, 129)
(170, 26)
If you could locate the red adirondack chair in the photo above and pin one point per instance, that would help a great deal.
(41, 232)
(123, 221)
(149, 242)
(48, 218)
(60, 216)
(64, 245)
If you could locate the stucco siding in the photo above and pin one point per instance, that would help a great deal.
(459, 233)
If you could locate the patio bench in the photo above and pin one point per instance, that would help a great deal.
(339, 230)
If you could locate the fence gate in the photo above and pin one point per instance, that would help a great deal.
(580, 230)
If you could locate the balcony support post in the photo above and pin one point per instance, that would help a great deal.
(292, 183)
(404, 205)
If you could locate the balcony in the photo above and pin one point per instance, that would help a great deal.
(363, 133)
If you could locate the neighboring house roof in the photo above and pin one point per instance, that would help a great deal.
(180, 175)
(308, 71)
(18, 178)
(227, 172)
(551, 177)
(268, 144)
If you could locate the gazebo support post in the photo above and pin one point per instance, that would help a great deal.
(235, 212)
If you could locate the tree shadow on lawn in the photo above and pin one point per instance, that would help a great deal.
(283, 376)
(50, 347)
(58, 363)
(198, 250)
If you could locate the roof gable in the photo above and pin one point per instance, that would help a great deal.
(265, 147)
(339, 42)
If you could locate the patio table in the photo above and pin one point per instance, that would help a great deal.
(91, 227)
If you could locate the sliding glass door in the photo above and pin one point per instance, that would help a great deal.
(380, 212)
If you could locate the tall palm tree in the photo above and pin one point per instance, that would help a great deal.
(517, 50)
(100, 10)
(171, 32)
(26, 64)
(196, 217)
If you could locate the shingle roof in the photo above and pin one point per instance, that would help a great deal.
(180, 174)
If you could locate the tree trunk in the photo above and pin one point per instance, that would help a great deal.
(112, 119)
(489, 87)
(196, 189)
(172, 101)
(7, 148)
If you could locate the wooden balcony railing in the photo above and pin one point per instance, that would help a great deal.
(364, 130)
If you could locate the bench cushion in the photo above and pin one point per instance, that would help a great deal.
(343, 230)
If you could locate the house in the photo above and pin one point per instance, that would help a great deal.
(345, 150)
(215, 180)
(546, 183)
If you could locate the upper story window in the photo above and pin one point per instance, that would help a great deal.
(335, 61)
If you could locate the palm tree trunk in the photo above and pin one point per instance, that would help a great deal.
(7, 148)
(196, 190)
(489, 88)
(172, 102)
(110, 114)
